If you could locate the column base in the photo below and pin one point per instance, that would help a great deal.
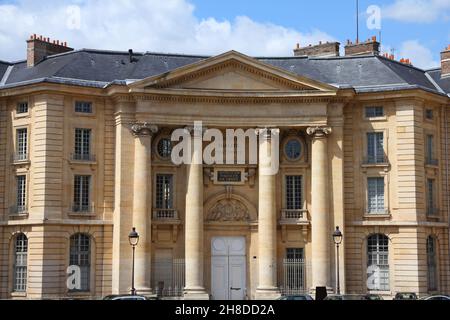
(267, 293)
(143, 291)
(196, 294)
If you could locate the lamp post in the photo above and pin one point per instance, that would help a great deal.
(133, 238)
(337, 237)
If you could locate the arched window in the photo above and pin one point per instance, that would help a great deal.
(378, 262)
(20, 263)
(80, 255)
(431, 263)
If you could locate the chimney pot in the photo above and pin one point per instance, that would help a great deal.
(323, 49)
(38, 48)
(445, 63)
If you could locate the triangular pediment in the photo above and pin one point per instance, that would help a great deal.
(231, 71)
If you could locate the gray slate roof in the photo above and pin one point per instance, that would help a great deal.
(100, 68)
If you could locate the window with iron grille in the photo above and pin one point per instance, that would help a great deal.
(294, 195)
(431, 263)
(81, 198)
(374, 112)
(431, 197)
(82, 144)
(375, 194)
(83, 107)
(164, 191)
(375, 147)
(22, 144)
(21, 193)
(165, 148)
(80, 255)
(378, 262)
(294, 268)
(22, 107)
(20, 263)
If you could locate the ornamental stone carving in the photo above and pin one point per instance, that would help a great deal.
(229, 210)
(319, 132)
(144, 129)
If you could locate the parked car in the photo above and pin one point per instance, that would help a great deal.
(341, 297)
(405, 296)
(373, 297)
(127, 297)
(299, 297)
(437, 298)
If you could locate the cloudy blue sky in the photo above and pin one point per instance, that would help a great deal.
(415, 29)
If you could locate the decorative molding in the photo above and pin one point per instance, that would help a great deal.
(233, 65)
(319, 132)
(267, 133)
(181, 98)
(229, 210)
(144, 129)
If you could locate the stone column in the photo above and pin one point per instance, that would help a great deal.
(143, 133)
(267, 217)
(194, 289)
(321, 232)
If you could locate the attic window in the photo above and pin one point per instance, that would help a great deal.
(22, 107)
(429, 114)
(83, 107)
(374, 112)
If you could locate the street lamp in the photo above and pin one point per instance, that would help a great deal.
(337, 237)
(133, 238)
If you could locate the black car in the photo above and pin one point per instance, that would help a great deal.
(128, 297)
(300, 297)
(405, 296)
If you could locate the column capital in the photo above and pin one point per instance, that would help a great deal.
(194, 130)
(267, 133)
(140, 129)
(319, 131)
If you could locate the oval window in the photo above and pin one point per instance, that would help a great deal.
(293, 149)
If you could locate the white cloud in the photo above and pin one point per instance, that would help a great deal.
(151, 25)
(422, 11)
(419, 55)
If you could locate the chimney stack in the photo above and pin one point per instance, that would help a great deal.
(371, 46)
(328, 49)
(39, 48)
(445, 63)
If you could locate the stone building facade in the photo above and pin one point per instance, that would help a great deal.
(85, 155)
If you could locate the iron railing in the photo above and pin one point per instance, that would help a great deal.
(295, 277)
(165, 214)
(169, 278)
(82, 157)
(288, 215)
(431, 162)
(81, 208)
(19, 157)
(18, 209)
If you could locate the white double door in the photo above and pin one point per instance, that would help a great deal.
(228, 268)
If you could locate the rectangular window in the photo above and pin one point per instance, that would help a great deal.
(294, 195)
(431, 197)
(82, 144)
(22, 107)
(375, 193)
(20, 263)
(375, 147)
(21, 194)
(430, 160)
(295, 253)
(81, 198)
(164, 191)
(22, 144)
(429, 114)
(374, 112)
(80, 255)
(83, 107)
